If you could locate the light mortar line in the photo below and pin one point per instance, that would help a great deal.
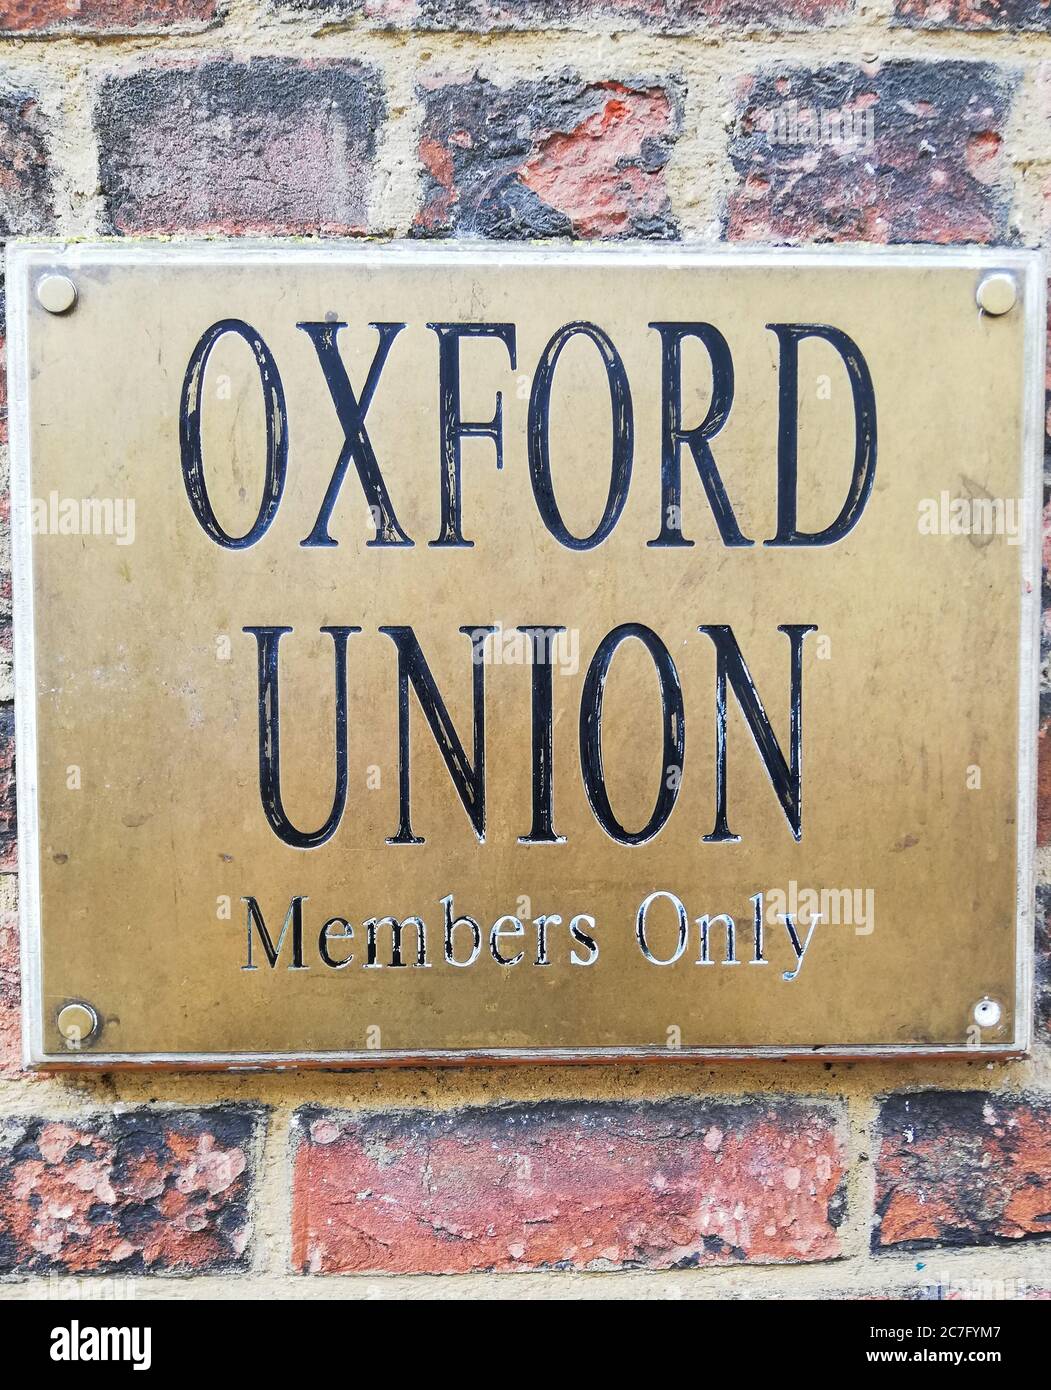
(863, 1116)
(466, 1088)
(901, 1272)
(537, 50)
(272, 1199)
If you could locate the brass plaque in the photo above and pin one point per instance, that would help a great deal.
(462, 653)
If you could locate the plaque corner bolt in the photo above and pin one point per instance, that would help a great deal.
(78, 1023)
(997, 294)
(987, 1013)
(56, 293)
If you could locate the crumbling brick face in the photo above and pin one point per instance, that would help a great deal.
(903, 151)
(527, 16)
(10, 988)
(30, 18)
(26, 197)
(147, 1190)
(567, 1186)
(556, 157)
(962, 1168)
(1017, 16)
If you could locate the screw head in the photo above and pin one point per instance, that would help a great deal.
(997, 294)
(78, 1023)
(987, 1013)
(56, 293)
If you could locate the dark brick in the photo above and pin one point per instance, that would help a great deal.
(272, 145)
(26, 205)
(163, 1191)
(1043, 783)
(673, 17)
(962, 1168)
(1025, 16)
(1042, 999)
(566, 1186)
(29, 17)
(658, 16)
(10, 988)
(1047, 433)
(557, 157)
(8, 816)
(3, 361)
(923, 162)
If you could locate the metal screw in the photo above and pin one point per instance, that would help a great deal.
(78, 1023)
(56, 293)
(987, 1013)
(997, 294)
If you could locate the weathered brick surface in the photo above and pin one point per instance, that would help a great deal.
(922, 161)
(146, 1190)
(10, 989)
(28, 17)
(566, 1185)
(555, 157)
(672, 17)
(272, 145)
(8, 817)
(1042, 934)
(3, 361)
(26, 205)
(7, 690)
(6, 671)
(1047, 445)
(1019, 15)
(962, 1168)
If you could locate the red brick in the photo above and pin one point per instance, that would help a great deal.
(10, 995)
(164, 1191)
(1016, 15)
(922, 162)
(657, 16)
(28, 17)
(962, 1168)
(26, 206)
(566, 1185)
(555, 157)
(272, 145)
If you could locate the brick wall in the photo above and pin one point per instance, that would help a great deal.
(526, 119)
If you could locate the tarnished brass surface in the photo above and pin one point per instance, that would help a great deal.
(147, 818)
